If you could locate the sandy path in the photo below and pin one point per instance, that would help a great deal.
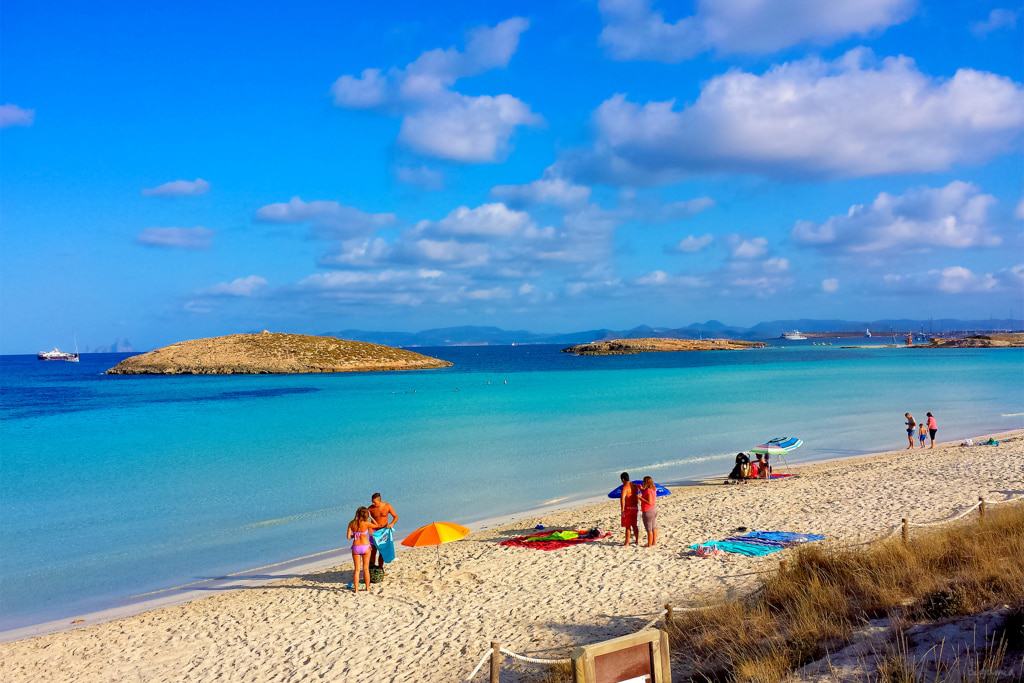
(435, 629)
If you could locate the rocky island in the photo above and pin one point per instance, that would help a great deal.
(272, 353)
(993, 340)
(619, 347)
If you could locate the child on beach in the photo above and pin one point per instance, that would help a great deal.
(922, 433)
(628, 502)
(359, 530)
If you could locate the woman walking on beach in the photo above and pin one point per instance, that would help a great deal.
(933, 428)
(911, 424)
(359, 532)
(649, 510)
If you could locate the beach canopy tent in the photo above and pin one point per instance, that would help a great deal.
(659, 489)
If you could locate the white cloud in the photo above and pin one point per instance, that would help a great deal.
(1018, 212)
(239, 287)
(776, 266)
(633, 30)
(438, 121)
(13, 115)
(954, 216)
(176, 238)
(1012, 278)
(846, 118)
(178, 188)
(550, 189)
(469, 129)
(830, 285)
(692, 243)
(395, 287)
(997, 19)
(659, 278)
(747, 249)
(485, 221)
(423, 177)
(957, 280)
(328, 218)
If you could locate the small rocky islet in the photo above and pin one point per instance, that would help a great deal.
(272, 353)
(619, 347)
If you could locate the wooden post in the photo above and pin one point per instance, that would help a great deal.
(668, 615)
(906, 531)
(981, 508)
(495, 661)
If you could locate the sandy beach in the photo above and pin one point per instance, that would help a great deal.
(423, 624)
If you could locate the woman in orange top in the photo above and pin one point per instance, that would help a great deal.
(649, 510)
(359, 530)
(628, 508)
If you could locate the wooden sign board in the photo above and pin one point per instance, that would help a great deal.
(641, 657)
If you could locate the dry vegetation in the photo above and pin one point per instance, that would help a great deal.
(824, 596)
(618, 347)
(270, 352)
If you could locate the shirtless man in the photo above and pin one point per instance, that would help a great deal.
(628, 508)
(911, 425)
(380, 510)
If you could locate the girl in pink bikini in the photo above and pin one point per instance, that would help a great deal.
(359, 530)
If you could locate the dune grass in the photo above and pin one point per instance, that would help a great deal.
(815, 603)
(823, 595)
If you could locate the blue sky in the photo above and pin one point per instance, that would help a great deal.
(172, 170)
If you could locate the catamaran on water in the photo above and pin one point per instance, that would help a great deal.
(57, 354)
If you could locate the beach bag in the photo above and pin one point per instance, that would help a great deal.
(376, 575)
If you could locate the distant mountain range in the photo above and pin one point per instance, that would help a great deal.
(472, 335)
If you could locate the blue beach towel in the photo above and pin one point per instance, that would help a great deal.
(785, 536)
(748, 549)
(760, 543)
(384, 539)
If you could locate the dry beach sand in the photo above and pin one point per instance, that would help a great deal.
(422, 626)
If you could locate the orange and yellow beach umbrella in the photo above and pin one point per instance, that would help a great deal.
(435, 533)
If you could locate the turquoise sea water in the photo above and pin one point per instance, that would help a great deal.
(114, 486)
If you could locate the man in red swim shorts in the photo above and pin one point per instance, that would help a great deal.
(629, 504)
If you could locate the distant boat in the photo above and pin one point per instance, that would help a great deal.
(793, 336)
(867, 333)
(57, 354)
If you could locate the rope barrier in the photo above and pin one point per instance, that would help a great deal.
(694, 608)
(480, 665)
(534, 660)
(947, 520)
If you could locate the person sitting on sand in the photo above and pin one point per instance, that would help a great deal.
(628, 508)
(922, 433)
(380, 510)
(742, 468)
(933, 428)
(359, 530)
(759, 469)
(649, 509)
(911, 423)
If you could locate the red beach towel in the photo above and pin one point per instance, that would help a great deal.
(522, 542)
